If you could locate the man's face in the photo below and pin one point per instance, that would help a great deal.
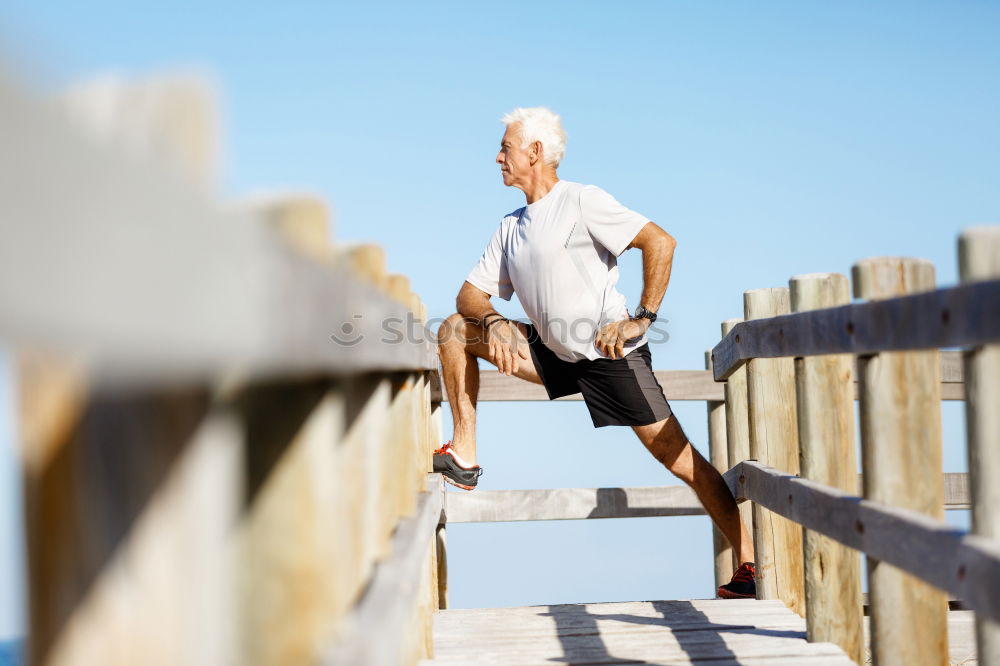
(514, 161)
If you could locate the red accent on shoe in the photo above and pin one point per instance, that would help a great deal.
(746, 573)
(448, 449)
(444, 448)
(726, 594)
(458, 485)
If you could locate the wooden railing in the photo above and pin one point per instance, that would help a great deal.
(791, 364)
(209, 477)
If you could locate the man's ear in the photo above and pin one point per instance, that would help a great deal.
(537, 152)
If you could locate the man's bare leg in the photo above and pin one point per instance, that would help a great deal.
(668, 444)
(460, 343)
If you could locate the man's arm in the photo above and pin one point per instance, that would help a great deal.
(474, 304)
(657, 248)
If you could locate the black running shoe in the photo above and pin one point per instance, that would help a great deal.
(455, 474)
(743, 585)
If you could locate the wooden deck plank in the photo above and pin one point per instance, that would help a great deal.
(747, 632)
(651, 632)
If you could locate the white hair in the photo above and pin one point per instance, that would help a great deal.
(540, 124)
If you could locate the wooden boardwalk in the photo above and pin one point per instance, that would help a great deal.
(635, 632)
(648, 632)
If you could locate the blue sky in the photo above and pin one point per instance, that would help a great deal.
(769, 138)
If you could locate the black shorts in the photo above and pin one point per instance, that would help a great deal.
(621, 391)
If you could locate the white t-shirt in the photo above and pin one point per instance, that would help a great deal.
(559, 254)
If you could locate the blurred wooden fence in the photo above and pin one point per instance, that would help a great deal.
(210, 476)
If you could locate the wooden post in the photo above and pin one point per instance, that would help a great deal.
(302, 221)
(719, 455)
(979, 259)
(288, 541)
(170, 119)
(738, 426)
(131, 496)
(440, 538)
(825, 407)
(774, 442)
(368, 263)
(900, 410)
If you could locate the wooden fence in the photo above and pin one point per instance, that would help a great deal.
(209, 476)
(795, 359)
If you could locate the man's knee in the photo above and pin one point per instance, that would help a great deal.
(453, 330)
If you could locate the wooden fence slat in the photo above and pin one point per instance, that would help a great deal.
(287, 538)
(375, 631)
(595, 503)
(737, 424)
(774, 441)
(952, 317)
(901, 454)
(719, 455)
(979, 259)
(131, 497)
(825, 411)
(677, 384)
(966, 565)
(571, 504)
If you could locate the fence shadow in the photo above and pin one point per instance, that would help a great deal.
(696, 635)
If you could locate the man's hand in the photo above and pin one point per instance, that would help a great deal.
(611, 339)
(505, 346)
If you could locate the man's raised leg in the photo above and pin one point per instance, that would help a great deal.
(460, 342)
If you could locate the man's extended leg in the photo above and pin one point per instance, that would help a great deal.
(668, 444)
(460, 342)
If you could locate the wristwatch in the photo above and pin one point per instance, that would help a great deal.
(641, 312)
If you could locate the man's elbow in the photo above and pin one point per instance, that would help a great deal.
(664, 239)
(669, 241)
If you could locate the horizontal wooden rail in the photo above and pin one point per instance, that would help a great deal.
(967, 566)
(123, 262)
(375, 630)
(677, 385)
(486, 506)
(957, 316)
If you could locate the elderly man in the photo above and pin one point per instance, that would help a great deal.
(559, 255)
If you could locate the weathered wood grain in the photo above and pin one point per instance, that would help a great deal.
(130, 502)
(718, 451)
(979, 259)
(774, 441)
(827, 442)
(968, 314)
(677, 385)
(571, 504)
(375, 630)
(966, 565)
(583, 503)
(900, 419)
(650, 632)
(738, 423)
(286, 540)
